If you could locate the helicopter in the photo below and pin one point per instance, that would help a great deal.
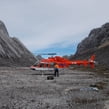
(48, 64)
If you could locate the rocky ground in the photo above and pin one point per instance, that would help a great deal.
(22, 88)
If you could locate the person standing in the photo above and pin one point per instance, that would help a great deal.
(56, 70)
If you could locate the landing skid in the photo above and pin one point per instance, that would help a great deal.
(42, 69)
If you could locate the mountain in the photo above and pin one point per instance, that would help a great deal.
(96, 43)
(12, 51)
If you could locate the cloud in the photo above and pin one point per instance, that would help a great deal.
(41, 23)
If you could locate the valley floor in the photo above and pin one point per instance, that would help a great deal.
(22, 88)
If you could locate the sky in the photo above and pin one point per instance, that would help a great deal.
(53, 25)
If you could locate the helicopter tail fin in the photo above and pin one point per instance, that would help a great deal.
(91, 61)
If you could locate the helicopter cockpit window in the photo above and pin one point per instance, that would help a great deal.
(41, 65)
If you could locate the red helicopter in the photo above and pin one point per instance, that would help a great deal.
(48, 64)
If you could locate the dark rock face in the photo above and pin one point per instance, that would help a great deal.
(12, 51)
(96, 43)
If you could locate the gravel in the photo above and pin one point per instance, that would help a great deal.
(22, 88)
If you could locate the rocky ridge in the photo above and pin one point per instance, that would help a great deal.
(12, 51)
(96, 43)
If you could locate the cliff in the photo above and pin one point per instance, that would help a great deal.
(12, 51)
(96, 43)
